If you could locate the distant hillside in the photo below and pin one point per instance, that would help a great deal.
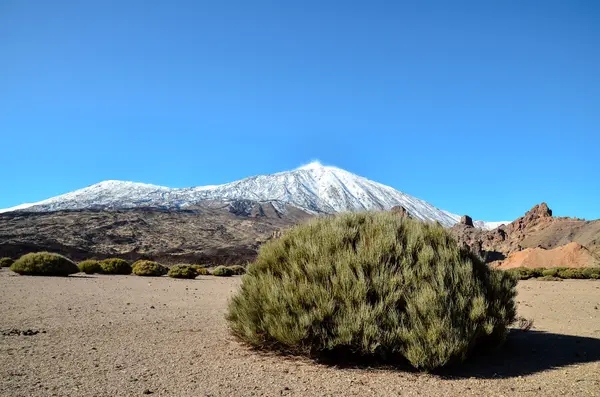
(217, 233)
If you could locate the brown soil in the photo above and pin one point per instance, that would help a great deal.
(569, 255)
(128, 335)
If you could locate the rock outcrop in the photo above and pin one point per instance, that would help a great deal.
(536, 229)
(466, 220)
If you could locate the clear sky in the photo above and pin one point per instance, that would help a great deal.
(479, 107)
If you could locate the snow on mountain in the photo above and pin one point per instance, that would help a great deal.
(109, 195)
(315, 188)
(489, 225)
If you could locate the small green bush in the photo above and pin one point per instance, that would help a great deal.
(372, 285)
(550, 278)
(222, 271)
(238, 269)
(520, 273)
(525, 273)
(591, 272)
(115, 266)
(44, 264)
(571, 274)
(90, 266)
(182, 271)
(551, 272)
(554, 273)
(6, 262)
(148, 268)
(538, 271)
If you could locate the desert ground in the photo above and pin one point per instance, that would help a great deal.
(128, 335)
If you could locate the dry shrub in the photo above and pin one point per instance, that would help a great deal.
(238, 270)
(182, 271)
(115, 266)
(90, 266)
(222, 271)
(524, 324)
(44, 264)
(571, 274)
(591, 273)
(149, 268)
(6, 262)
(525, 273)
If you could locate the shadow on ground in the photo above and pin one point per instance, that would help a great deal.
(523, 353)
(527, 353)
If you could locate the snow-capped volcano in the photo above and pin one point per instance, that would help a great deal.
(314, 188)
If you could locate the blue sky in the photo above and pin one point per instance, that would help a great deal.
(479, 107)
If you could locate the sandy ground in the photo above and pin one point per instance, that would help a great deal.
(128, 336)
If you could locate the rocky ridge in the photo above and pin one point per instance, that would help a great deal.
(536, 231)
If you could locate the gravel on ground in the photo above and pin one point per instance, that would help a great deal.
(127, 335)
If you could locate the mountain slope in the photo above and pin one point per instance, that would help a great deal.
(313, 188)
(217, 233)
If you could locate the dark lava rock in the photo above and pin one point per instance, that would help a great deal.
(466, 220)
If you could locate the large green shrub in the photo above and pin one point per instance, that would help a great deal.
(372, 285)
(6, 262)
(238, 269)
(149, 268)
(44, 264)
(90, 266)
(115, 266)
(182, 271)
(222, 271)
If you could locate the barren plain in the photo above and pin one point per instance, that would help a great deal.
(127, 335)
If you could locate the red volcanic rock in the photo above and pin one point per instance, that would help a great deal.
(536, 229)
(573, 255)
